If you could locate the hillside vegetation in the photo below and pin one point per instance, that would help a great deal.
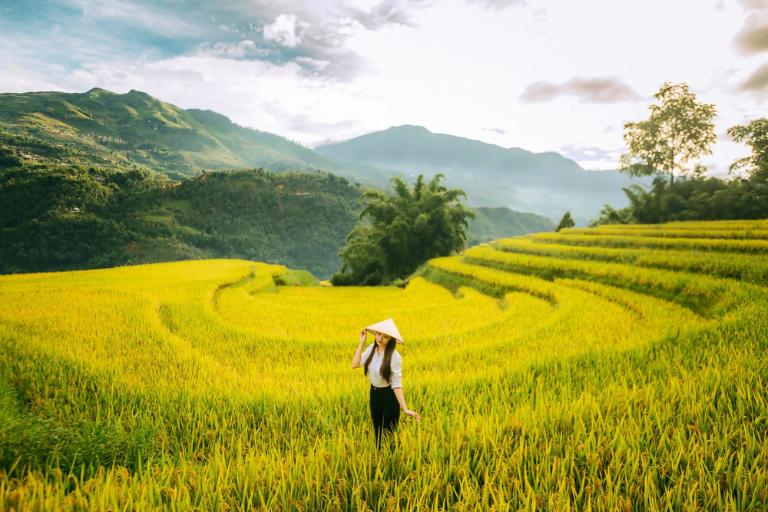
(59, 218)
(100, 179)
(70, 217)
(614, 368)
(135, 130)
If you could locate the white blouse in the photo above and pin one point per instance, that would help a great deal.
(396, 365)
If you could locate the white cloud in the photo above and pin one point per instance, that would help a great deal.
(755, 4)
(238, 50)
(757, 81)
(497, 4)
(753, 37)
(285, 30)
(140, 15)
(274, 98)
(448, 65)
(18, 79)
(595, 90)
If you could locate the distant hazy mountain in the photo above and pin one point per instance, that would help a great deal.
(545, 183)
(134, 129)
(493, 223)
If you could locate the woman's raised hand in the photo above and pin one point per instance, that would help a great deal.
(362, 336)
(415, 415)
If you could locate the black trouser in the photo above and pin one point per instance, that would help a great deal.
(385, 411)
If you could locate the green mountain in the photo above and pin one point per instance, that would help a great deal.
(101, 179)
(67, 217)
(62, 218)
(494, 223)
(136, 130)
(545, 183)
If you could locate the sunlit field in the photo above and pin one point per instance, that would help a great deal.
(614, 368)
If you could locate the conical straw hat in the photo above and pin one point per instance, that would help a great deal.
(387, 327)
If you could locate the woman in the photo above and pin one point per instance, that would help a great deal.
(383, 365)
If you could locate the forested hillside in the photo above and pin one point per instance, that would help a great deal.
(101, 179)
(71, 217)
(59, 218)
(133, 130)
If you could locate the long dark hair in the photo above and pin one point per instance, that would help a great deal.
(386, 369)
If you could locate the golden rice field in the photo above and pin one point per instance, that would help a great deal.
(614, 368)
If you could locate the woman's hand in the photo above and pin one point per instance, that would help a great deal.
(362, 336)
(412, 413)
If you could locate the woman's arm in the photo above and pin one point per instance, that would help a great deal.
(356, 357)
(401, 398)
(396, 381)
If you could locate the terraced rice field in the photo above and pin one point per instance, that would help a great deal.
(616, 368)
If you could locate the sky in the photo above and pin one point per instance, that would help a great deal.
(542, 75)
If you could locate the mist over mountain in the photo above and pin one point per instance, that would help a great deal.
(545, 183)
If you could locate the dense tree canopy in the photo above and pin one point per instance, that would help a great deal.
(400, 231)
(70, 217)
(694, 198)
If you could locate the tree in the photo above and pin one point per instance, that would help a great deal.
(611, 215)
(566, 222)
(399, 231)
(755, 135)
(694, 198)
(678, 130)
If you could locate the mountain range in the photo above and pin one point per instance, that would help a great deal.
(135, 130)
(103, 179)
(545, 183)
